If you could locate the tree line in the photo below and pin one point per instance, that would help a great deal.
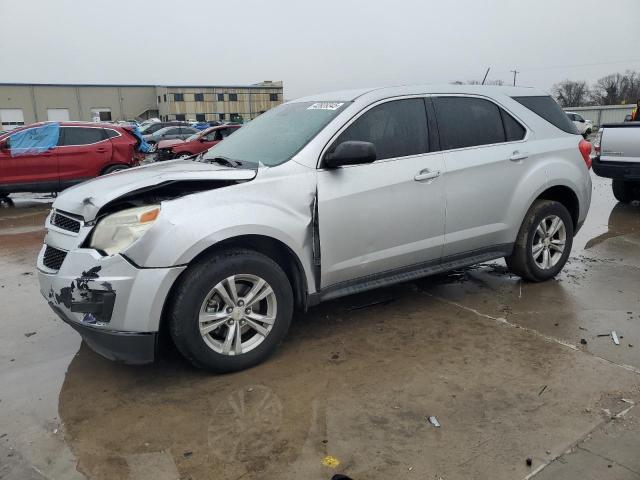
(614, 89)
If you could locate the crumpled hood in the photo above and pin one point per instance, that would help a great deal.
(87, 198)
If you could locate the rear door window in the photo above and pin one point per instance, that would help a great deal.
(513, 130)
(547, 108)
(397, 129)
(81, 135)
(111, 133)
(468, 122)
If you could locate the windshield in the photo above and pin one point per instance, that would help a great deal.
(277, 135)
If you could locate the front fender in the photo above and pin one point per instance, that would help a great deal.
(280, 208)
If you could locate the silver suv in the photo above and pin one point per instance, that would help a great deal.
(318, 198)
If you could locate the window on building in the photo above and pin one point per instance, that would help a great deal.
(221, 97)
(81, 135)
(233, 97)
(199, 97)
(180, 116)
(178, 97)
(200, 117)
(159, 101)
(273, 97)
(468, 121)
(165, 97)
(221, 116)
(397, 129)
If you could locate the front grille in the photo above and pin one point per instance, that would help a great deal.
(53, 258)
(164, 154)
(66, 223)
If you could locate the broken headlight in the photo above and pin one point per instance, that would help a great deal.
(115, 232)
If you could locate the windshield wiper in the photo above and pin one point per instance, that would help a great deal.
(228, 162)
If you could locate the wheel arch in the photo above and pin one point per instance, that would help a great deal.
(273, 248)
(565, 196)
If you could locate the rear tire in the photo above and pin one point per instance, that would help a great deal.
(625, 191)
(202, 319)
(540, 252)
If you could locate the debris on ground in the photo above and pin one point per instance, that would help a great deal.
(330, 461)
(29, 334)
(542, 391)
(614, 337)
(187, 454)
(339, 476)
(434, 421)
(529, 461)
(583, 341)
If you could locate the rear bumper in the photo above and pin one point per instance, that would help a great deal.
(617, 170)
(126, 347)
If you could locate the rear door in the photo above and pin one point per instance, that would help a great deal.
(83, 153)
(37, 171)
(388, 215)
(172, 133)
(485, 154)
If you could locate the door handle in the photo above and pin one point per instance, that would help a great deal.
(101, 149)
(426, 174)
(518, 155)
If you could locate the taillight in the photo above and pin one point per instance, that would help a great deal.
(585, 149)
(597, 142)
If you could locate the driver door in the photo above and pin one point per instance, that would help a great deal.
(380, 217)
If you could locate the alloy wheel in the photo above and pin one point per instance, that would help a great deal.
(549, 242)
(237, 314)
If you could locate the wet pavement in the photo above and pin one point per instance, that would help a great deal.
(501, 363)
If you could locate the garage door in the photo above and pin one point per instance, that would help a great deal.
(11, 118)
(58, 114)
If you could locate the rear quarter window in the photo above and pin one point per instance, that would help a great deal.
(547, 108)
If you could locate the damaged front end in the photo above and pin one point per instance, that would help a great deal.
(113, 303)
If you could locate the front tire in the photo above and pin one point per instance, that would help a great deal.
(230, 310)
(544, 242)
(625, 191)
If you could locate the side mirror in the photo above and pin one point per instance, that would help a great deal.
(581, 121)
(351, 152)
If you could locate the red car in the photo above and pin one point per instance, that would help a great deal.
(84, 150)
(199, 142)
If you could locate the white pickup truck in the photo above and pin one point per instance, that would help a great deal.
(617, 148)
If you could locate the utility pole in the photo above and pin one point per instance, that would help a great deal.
(485, 75)
(515, 74)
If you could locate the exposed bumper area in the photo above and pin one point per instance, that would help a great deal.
(127, 347)
(114, 305)
(617, 170)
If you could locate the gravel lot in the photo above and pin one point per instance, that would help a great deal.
(500, 363)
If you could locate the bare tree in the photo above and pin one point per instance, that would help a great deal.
(570, 93)
(631, 87)
(609, 90)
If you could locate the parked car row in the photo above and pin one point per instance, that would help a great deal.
(82, 150)
(196, 143)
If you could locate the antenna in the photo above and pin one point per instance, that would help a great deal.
(485, 75)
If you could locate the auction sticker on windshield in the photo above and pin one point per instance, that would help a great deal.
(325, 106)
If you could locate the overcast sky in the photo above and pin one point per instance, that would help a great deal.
(315, 46)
